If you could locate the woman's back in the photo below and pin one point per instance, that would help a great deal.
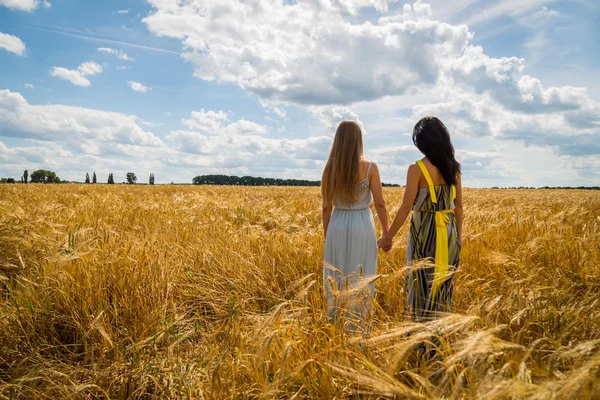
(365, 198)
(431, 180)
(351, 247)
(433, 216)
(434, 193)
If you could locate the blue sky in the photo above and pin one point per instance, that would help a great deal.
(180, 88)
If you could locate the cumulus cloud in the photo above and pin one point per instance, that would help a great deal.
(331, 116)
(327, 60)
(312, 55)
(77, 76)
(241, 144)
(89, 68)
(12, 44)
(123, 11)
(71, 165)
(567, 131)
(71, 75)
(37, 154)
(138, 87)
(120, 54)
(207, 121)
(24, 5)
(308, 53)
(84, 128)
(217, 123)
(28, 86)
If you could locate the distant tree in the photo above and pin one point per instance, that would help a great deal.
(111, 180)
(43, 176)
(87, 178)
(131, 178)
(38, 176)
(10, 180)
(250, 181)
(25, 175)
(94, 178)
(151, 180)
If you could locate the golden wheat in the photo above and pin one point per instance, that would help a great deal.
(216, 292)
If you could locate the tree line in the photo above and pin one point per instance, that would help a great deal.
(250, 181)
(45, 176)
(254, 181)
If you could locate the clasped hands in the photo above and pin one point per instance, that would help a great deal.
(385, 242)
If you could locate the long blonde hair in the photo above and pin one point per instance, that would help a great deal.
(341, 174)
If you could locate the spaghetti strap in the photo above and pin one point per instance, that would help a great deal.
(429, 181)
(369, 169)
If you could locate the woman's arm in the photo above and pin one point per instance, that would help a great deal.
(458, 206)
(326, 211)
(410, 192)
(379, 201)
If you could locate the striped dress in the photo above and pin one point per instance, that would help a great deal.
(433, 235)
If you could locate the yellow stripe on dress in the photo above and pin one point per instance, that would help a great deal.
(441, 235)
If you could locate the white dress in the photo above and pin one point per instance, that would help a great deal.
(351, 249)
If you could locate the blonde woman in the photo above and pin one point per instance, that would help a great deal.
(351, 183)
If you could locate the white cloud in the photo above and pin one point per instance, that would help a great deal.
(90, 68)
(314, 57)
(77, 76)
(331, 116)
(81, 128)
(271, 107)
(245, 127)
(28, 86)
(306, 53)
(71, 165)
(123, 68)
(138, 87)
(23, 5)
(43, 154)
(12, 43)
(324, 61)
(242, 144)
(150, 123)
(123, 11)
(121, 55)
(71, 75)
(279, 112)
(208, 121)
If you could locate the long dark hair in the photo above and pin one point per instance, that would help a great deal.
(433, 140)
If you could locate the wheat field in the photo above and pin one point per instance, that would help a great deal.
(182, 292)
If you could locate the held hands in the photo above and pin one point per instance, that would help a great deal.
(385, 242)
